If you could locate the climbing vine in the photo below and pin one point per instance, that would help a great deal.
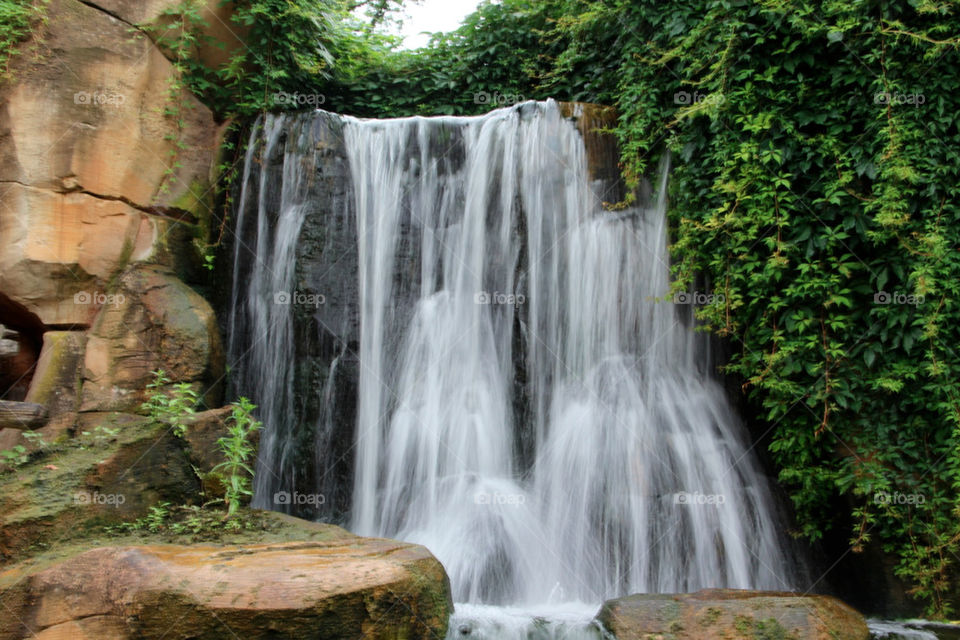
(816, 185)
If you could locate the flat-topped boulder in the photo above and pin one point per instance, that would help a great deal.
(343, 586)
(725, 614)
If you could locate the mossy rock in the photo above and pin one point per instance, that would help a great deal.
(724, 614)
(123, 465)
(289, 579)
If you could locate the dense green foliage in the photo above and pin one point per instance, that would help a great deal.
(18, 18)
(276, 46)
(303, 54)
(504, 53)
(496, 59)
(814, 185)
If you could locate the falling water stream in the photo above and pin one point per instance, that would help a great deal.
(531, 405)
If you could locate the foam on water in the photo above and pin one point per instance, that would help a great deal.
(567, 621)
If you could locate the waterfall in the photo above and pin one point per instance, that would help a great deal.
(529, 402)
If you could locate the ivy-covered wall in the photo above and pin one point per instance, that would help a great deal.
(816, 187)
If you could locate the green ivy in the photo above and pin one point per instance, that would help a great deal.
(816, 186)
(18, 21)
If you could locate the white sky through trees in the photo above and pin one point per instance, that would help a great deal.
(432, 16)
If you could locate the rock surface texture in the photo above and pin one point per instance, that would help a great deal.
(90, 165)
(117, 466)
(728, 613)
(344, 587)
(105, 181)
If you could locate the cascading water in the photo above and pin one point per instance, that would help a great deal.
(269, 278)
(529, 404)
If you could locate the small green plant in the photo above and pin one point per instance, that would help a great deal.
(15, 457)
(237, 448)
(156, 517)
(35, 439)
(201, 523)
(170, 404)
(197, 522)
(18, 21)
(154, 521)
(100, 435)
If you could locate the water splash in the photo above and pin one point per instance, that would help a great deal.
(572, 621)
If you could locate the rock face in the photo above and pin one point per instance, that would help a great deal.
(88, 156)
(327, 266)
(105, 173)
(347, 587)
(727, 613)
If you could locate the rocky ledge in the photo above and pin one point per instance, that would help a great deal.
(334, 586)
(727, 613)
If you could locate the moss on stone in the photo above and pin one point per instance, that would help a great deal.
(710, 617)
(197, 199)
(56, 497)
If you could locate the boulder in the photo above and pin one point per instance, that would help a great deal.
(727, 613)
(153, 321)
(117, 466)
(343, 587)
(203, 431)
